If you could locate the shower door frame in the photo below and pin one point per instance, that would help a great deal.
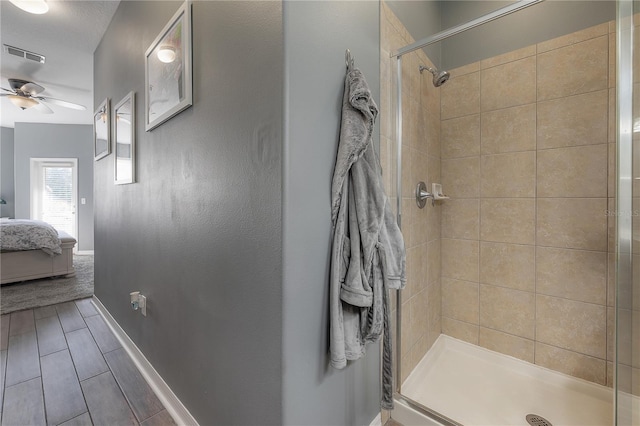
(507, 10)
(624, 189)
(433, 415)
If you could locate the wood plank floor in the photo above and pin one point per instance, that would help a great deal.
(61, 365)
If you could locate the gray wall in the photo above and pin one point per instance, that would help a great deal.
(540, 22)
(230, 243)
(200, 233)
(543, 21)
(56, 141)
(316, 36)
(7, 186)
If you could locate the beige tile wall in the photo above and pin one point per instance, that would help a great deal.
(526, 258)
(421, 299)
(527, 249)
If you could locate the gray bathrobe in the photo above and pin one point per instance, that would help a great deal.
(368, 255)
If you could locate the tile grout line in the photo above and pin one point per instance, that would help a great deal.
(74, 364)
(109, 366)
(525, 338)
(125, 395)
(6, 364)
(44, 401)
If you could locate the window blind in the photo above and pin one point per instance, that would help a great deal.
(58, 207)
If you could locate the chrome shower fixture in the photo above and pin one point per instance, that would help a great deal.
(439, 77)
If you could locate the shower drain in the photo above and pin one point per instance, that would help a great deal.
(536, 420)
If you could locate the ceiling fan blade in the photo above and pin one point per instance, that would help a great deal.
(43, 108)
(32, 88)
(62, 103)
(7, 90)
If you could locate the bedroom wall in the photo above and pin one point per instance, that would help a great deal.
(33, 140)
(200, 231)
(7, 185)
(316, 36)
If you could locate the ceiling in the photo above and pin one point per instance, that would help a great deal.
(67, 36)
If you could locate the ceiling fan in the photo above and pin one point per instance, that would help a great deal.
(26, 94)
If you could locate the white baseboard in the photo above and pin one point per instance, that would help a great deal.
(84, 252)
(377, 421)
(170, 401)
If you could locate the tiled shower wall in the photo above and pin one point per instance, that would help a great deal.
(528, 155)
(527, 144)
(421, 299)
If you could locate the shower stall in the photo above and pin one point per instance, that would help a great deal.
(507, 143)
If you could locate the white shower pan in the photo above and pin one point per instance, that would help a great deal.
(477, 386)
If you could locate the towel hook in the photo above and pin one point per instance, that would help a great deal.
(348, 59)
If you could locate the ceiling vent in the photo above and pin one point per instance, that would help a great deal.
(16, 51)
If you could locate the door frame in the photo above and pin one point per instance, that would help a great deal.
(35, 167)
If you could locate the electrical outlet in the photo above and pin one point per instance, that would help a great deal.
(138, 301)
(135, 303)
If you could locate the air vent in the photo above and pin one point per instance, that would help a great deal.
(16, 51)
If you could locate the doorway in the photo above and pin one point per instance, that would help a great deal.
(54, 193)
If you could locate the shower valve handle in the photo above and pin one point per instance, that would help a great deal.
(422, 194)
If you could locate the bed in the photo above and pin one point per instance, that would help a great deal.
(31, 249)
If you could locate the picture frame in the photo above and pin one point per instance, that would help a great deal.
(102, 131)
(168, 68)
(124, 126)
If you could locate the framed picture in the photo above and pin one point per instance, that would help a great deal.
(102, 131)
(168, 83)
(125, 146)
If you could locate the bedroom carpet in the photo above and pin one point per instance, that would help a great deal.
(47, 291)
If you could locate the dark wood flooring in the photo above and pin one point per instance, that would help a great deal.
(61, 365)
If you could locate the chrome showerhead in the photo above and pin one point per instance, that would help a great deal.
(439, 77)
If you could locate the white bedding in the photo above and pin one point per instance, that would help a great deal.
(22, 234)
